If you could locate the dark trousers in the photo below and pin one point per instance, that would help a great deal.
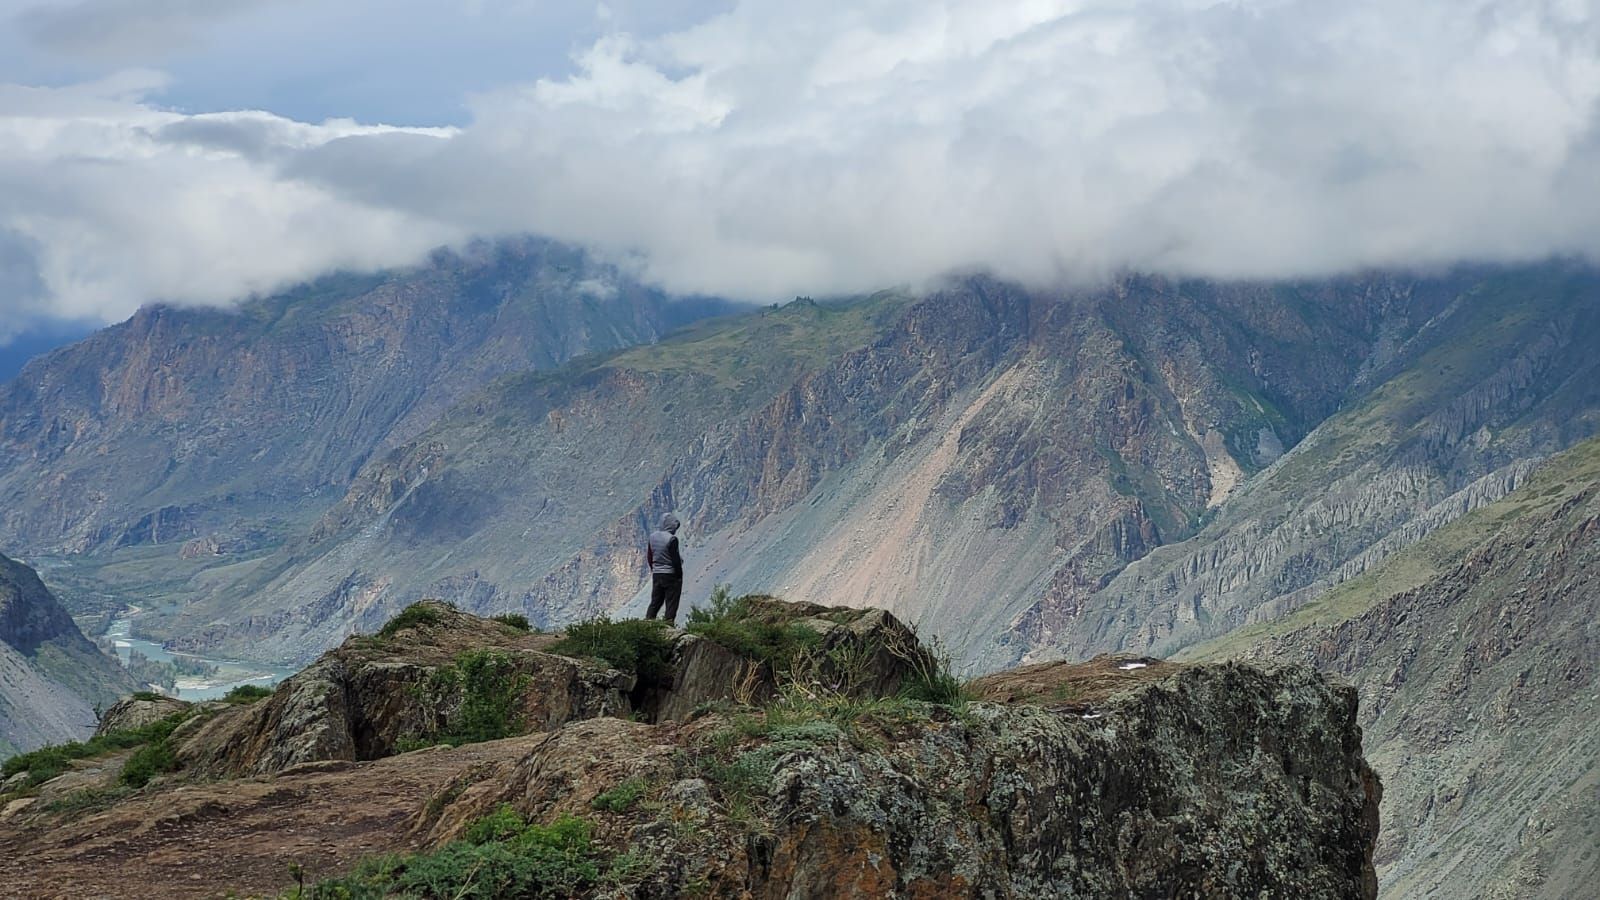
(665, 589)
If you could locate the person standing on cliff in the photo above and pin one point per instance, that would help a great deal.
(666, 569)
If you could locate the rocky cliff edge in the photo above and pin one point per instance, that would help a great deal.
(770, 750)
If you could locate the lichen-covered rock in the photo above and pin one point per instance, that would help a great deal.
(1218, 781)
(134, 712)
(704, 671)
(366, 699)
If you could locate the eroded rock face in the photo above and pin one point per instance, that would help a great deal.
(51, 676)
(1219, 781)
(364, 700)
(137, 712)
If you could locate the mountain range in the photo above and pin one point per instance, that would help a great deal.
(1154, 465)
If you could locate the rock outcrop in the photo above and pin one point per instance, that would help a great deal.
(138, 711)
(366, 699)
(882, 654)
(1120, 777)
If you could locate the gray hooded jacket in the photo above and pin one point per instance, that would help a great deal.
(664, 556)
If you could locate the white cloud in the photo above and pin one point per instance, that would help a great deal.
(118, 203)
(778, 149)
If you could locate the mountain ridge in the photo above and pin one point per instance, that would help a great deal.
(223, 420)
(1475, 655)
(52, 678)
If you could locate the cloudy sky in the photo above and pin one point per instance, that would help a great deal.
(196, 151)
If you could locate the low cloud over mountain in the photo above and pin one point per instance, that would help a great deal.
(755, 152)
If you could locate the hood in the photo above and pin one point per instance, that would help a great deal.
(669, 522)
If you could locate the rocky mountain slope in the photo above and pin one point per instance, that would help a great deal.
(832, 449)
(51, 676)
(1476, 655)
(1116, 778)
(227, 427)
(1443, 422)
(1028, 474)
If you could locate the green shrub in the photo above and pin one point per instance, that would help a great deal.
(504, 824)
(622, 798)
(733, 623)
(515, 620)
(414, 616)
(490, 691)
(148, 695)
(147, 762)
(44, 763)
(641, 646)
(246, 694)
(500, 856)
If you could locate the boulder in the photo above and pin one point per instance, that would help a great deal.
(130, 713)
(704, 671)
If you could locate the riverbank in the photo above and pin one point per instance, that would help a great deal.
(227, 675)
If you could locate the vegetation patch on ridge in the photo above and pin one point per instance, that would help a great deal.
(640, 646)
(516, 621)
(246, 694)
(734, 623)
(154, 756)
(414, 616)
(500, 855)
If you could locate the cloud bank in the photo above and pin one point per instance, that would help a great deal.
(121, 29)
(765, 152)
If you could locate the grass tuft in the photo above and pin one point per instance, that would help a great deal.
(931, 678)
(88, 799)
(622, 798)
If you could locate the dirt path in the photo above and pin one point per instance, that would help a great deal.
(205, 840)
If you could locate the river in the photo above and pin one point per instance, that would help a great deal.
(231, 673)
